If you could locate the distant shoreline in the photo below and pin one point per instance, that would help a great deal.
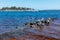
(14, 8)
(17, 10)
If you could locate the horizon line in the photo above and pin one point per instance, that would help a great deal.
(31, 7)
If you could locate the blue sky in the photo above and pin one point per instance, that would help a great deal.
(37, 4)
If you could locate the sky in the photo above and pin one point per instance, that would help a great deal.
(36, 4)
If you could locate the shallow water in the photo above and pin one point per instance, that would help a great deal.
(9, 20)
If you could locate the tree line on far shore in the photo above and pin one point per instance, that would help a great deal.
(16, 8)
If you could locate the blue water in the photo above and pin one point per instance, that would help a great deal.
(11, 19)
(18, 16)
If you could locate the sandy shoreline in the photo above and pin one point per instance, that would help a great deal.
(29, 36)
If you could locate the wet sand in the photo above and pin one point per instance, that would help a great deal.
(30, 36)
(51, 32)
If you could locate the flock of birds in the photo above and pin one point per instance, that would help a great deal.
(40, 23)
